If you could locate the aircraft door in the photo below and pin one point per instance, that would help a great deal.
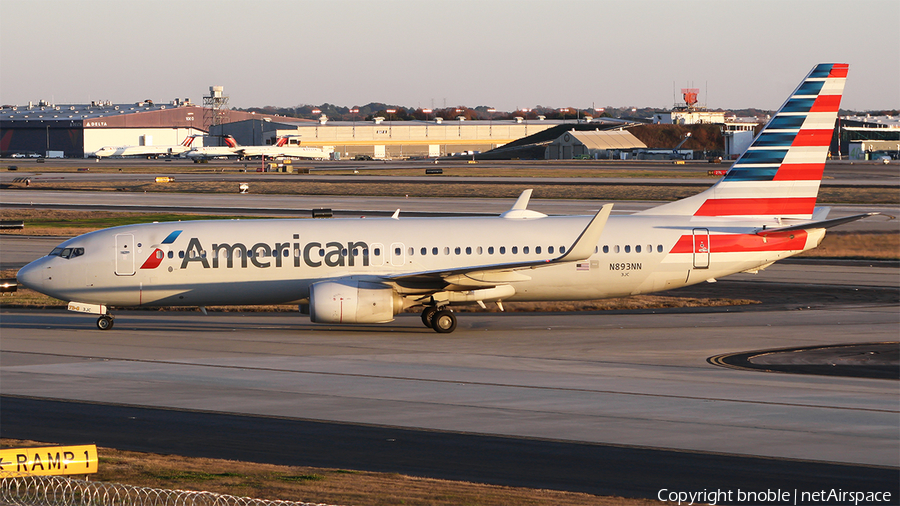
(125, 255)
(398, 254)
(376, 259)
(701, 248)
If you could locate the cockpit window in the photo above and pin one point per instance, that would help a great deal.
(67, 252)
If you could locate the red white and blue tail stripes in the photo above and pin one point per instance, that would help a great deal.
(779, 174)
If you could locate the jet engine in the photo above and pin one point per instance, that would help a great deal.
(350, 300)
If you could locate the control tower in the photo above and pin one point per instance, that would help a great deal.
(215, 107)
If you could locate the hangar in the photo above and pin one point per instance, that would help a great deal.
(593, 144)
(382, 138)
(76, 130)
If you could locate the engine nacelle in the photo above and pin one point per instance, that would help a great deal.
(352, 301)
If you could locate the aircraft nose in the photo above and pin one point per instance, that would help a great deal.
(31, 276)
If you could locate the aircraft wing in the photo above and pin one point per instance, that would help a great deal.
(499, 274)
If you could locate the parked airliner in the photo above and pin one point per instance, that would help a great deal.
(230, 149)
(368, 270)
(147, 151)
(284, 148)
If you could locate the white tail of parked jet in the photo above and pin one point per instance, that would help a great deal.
(368, 270)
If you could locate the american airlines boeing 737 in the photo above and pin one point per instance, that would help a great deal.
(368, 270)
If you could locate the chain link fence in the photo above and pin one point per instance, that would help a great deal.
(59, 491)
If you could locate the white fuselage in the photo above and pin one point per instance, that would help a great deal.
(121, 151)
(289, 151)
(211, 152)
(208, 262)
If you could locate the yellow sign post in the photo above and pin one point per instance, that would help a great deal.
(48, 460)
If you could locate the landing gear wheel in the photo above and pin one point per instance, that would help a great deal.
(443, 322)
(105, 322)
(428, 315)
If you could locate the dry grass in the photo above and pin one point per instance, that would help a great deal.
(875, 246)
(331, 486)
(447, 188)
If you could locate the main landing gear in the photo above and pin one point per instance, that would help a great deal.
(105, 322)
(443, 321)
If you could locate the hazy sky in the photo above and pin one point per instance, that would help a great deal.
(506, 54)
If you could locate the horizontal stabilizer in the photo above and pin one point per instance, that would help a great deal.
(818, 224)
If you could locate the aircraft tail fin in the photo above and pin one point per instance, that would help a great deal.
(282, 142)
(187, 141)
(230, 142)
(778, 176)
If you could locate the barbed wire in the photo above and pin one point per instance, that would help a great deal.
(61, 491)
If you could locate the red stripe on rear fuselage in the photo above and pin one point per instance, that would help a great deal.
(740, 243)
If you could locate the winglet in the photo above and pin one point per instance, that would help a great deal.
(396, 215)
(587, 241)
(520, 210)
(522, 201)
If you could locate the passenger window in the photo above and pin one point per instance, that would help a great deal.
(596, 249)
(502, 250)
(525, 250)
(616, 248)
(659, 248)
(490, 250)
(159, 254)
(377, 251)
(550, 250)
(649, 248)
(606, 248)
(637, 248)
(398, 251)
(480, 251)
(181, 254)
(515, 250)
(627, 248)
(562, 249)
(537, 249)
(424, 251)
(446, 250)
(434, 251)
(411, 250)
(468, 250)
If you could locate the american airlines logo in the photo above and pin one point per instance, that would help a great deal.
(264, 255)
